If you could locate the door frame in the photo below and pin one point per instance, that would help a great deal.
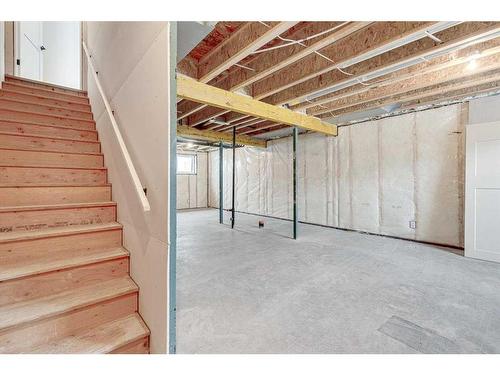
(17, 49)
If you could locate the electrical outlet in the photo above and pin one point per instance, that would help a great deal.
(412, 224)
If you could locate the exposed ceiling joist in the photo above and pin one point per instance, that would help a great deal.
(246, 40)
(214, 136)
(276, 59)
(273, 60)
(478, 82)
(379, 64)
(190, 89)
(457, 37)
(455, 72)
(263, 126)
(372, 41)
(369, 42)
(484, 49)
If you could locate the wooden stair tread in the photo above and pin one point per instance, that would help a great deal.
(56, 206)
(29, 135)
(39, 86)
(49, 167)
(51, 116)
(53, 186)
(42, 308)
(51, 151)
(100, 339)
(17, 267)
(11, 78)
(64, 273)
(59, 231)
(42, 105)
(36, 90)
(57, 126)
(39, 96)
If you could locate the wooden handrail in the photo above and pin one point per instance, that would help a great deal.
(130, 165)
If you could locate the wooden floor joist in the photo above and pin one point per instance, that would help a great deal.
(191, 89)
(318, 70)
(267, 63)
(214, 136)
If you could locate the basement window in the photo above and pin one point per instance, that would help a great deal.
(186, 164)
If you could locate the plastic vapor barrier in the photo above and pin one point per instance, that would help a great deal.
(401, 176)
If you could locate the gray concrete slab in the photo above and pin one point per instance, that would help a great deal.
(252, 290)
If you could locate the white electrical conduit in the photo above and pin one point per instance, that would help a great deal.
(130, 165)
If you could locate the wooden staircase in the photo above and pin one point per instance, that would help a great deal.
(64, 274)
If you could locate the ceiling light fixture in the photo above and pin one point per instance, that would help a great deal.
(473, 61)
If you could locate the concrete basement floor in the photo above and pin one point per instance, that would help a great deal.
(251, 290)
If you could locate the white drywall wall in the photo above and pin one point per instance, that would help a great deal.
(62, 56)
(375, 176)
(132, 60)
(484, 110)
(192, 190)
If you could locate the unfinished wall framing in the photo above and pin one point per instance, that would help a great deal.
(400, 176)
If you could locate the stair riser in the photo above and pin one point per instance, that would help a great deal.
(6, 114)
(137, 347)
(48, 131)
(21, 176)
(48, 144)
(44, 219)
(28, 337)
(44, 100)
(82, 241)
(50, 159)
(36, 108)
(45, 86)
(25, 196)
(42, 285)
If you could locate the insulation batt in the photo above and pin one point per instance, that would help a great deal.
(376, 176)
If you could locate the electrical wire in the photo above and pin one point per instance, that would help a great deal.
(244, 67)
(301, 43)
(291, 41)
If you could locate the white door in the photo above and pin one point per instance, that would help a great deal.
(482, 192)
(30, 50)
(61, 58)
